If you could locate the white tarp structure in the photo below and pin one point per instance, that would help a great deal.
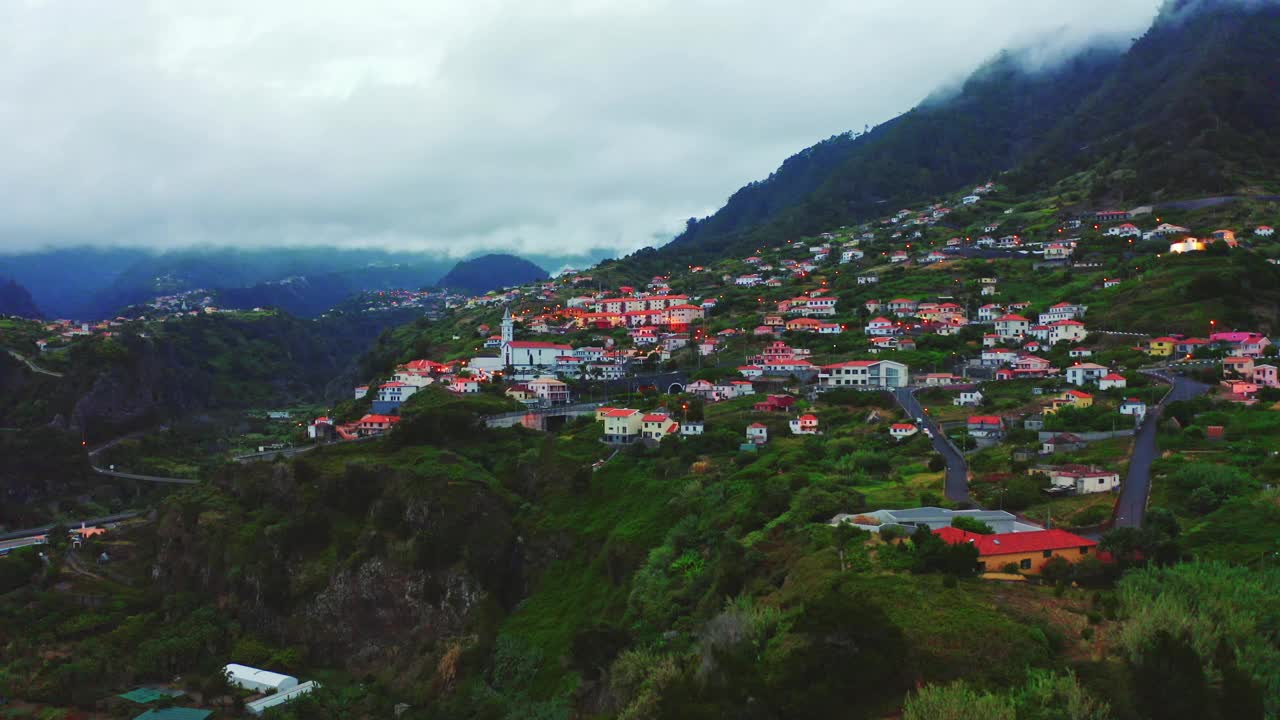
(257, 680)
(257, 707)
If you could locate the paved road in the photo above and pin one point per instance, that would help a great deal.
(134, 476)
(30, 532)
(956, 486)
(34, 368)
(7, 546)
(144, 478)
(1132, 507)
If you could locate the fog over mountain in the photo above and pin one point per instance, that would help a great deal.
(542, 129)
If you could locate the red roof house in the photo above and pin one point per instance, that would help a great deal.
(1029, 551)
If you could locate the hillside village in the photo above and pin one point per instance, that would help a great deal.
(791, 323)
(973, 414)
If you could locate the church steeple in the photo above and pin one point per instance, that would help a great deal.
(508, 334)
(508, 327)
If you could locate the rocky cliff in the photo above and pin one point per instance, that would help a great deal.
(375, 569)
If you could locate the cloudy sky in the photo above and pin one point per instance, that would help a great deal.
(538, 126)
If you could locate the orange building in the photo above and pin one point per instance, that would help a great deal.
(1029, 551)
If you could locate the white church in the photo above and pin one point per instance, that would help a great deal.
(524, 356)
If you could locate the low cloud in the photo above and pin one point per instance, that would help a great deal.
(548, 128)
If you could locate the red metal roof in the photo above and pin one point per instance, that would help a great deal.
(1014, 543)
(534, 345)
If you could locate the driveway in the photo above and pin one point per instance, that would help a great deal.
(1132, 506)
(956, 487)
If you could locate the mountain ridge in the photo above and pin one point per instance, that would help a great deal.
(491, 272)
(1180, 112)
(16, 300)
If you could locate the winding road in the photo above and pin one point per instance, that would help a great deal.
(32, 366)
(112, 472)
(1132, 506)
(956, 486)
(43, 529)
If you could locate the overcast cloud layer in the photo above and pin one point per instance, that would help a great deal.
(532, 126)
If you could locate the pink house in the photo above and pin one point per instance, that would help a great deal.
(1265, 375)
(1242, 344)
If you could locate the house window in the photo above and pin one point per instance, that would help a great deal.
(1025, 564)
(1048, 553)
(1084, 551)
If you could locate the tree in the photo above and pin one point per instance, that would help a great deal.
(1048, 696)
(957, 701)
(841, 536)
(933, 554)
(1170, 682)
(1056, 568)
(972, 525)
(841, 627)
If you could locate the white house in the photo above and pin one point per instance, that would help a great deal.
(757, 434)
(691, 427)
(1125, 230)
(1135, 407)
(1164, 229)
(1080, 352)
(1062, 311)
(395, 392)
(318, 428)
(1112, 380)
(864, 373)
(464, 386)
(1264, 231)
(732, 389)
(1059, 250)
(259, 681)
(1081, 479)
(968, 398)
(970, 199)
(1012, 326)
(901, 431)
(1085, 373)
(881, 326)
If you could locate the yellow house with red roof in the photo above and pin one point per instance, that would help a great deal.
(1070, 398)
(1161, 346)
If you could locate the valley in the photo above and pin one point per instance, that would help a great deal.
(972, 415)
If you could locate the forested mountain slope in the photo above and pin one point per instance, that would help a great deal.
(15, 300)
(1184, 111)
